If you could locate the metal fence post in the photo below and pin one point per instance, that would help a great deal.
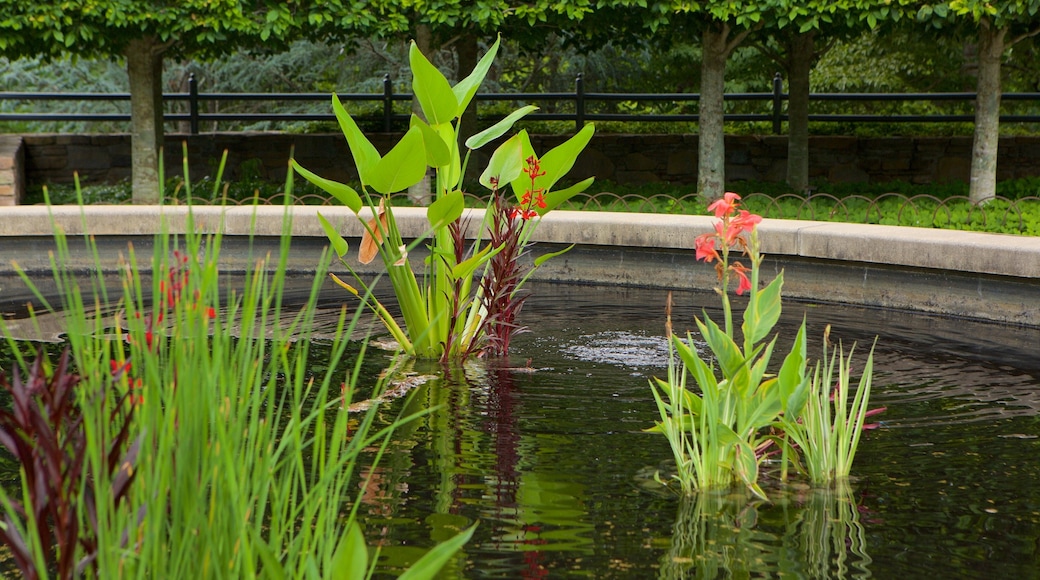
(579, 103)
(778, 92)
(193, 103)
(388, 102)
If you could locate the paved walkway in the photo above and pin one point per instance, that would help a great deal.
(975, 275)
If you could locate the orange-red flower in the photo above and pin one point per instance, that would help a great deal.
(743, 282)
(705, 244)
(726, 205)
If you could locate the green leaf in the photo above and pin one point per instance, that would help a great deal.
(722, 346)
(344, 193)
(546, 257)
(273, 568)
(553, 199)
(432, 90)
(446, 209)
(792, 380)
(559, 160)
(763, 310)
(339, 245)
(403, 166)
(365, 155)
(506, 164)
(498, 129)
(467, 87)
(466, 268)
(351, 557)
(431, 563)
(437, 152)
(746, 465)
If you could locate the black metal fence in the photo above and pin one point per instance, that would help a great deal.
(581, 106)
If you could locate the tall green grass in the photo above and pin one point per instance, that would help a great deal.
(244, 462)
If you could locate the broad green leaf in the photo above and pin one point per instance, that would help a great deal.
(344, 193)
(446, 209)
(432, 90)
(451, 141)
(498, 129)
(559, 160)
(351, 557)
(553, 199)
(466, 268)
(437, 153)
(700, 370)
(339, 245)
(763, 310)
(506, 164)
(758, 369)
(467, 87)
(365, 155)
(792, 379)
(546, 257)
(431, 563)
(722, 346)
(746, 465)
(403, 166)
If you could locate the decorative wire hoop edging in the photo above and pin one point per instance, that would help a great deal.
(1000, 214)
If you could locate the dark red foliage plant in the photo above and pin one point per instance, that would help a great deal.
(44, 430)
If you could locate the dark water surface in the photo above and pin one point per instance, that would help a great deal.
(554, 466)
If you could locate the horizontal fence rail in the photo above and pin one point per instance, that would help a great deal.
(579, 101)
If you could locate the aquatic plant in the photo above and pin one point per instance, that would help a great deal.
(720, 436)
(445, 316)
(827, 429)
(246, 459)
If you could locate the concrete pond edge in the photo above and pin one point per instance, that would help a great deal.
(991, 277)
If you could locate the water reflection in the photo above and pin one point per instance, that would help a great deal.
(812, 533)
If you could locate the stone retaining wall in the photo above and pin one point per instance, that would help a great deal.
(620, 158)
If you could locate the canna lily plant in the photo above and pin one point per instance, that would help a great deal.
(720, 436)
(445, 314)
(715, 436)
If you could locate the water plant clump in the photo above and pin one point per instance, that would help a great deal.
(743, 412)
(184, 434)
(447, 316)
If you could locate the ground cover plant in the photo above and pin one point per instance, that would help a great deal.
(738, 410)
(184, 433)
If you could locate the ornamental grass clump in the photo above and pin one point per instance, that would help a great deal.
(209, 446)
(721, 431)
(445, 315)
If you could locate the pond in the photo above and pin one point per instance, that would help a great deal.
(546, 450)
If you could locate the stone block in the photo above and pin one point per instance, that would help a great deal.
(847, 174)
(682, 162)
(952, 170)
(639, 162)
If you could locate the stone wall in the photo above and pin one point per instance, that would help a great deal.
(12, 175)
(620, 158)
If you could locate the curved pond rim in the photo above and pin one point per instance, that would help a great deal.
(979, 276)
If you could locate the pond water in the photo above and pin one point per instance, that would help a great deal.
(546, 451)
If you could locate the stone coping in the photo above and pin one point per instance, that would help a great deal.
(1017, 257)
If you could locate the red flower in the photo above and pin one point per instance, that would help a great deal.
(743, 283)
(211, 312)
(745, 221)
(705, 244)
(726, 205)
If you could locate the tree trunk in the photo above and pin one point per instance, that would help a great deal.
(987, 114)
(419, 193)
(799, 63)
(711, 160)
(144, 67)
